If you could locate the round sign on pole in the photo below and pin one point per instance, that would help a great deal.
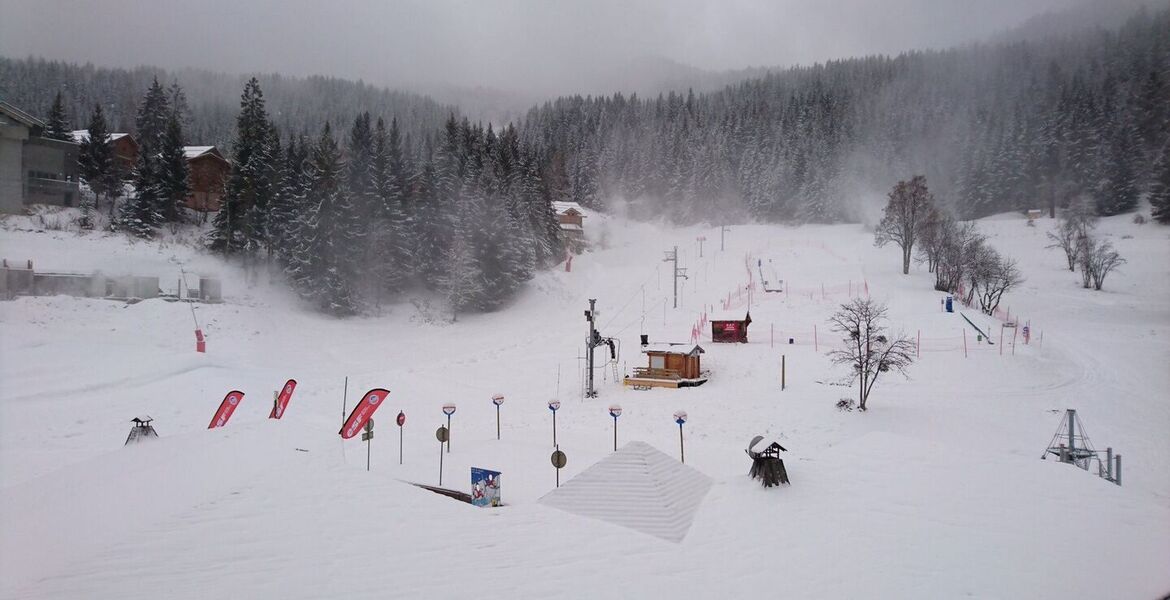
(449, 409)
(498, 399)
(680, 417)
(553, 405)
(401, 418)
(559, 459)
(615, 411)
(441, 433)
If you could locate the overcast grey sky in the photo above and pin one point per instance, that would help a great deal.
(532, 46)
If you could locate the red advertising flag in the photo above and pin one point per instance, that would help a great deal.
(226, 408)
(282, 400)
(362, 412)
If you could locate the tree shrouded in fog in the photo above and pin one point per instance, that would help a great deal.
(905, 216)
(57, 123)
(98, 166)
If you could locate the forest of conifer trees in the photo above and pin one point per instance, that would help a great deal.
(359, 194)
(1012, 126)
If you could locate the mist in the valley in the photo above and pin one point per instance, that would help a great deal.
(502, 53)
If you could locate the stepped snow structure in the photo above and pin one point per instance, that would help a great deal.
(637, 487)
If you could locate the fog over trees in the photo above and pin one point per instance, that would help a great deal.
(993, 128)
(334, 180)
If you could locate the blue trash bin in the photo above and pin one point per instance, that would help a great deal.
(950, 304)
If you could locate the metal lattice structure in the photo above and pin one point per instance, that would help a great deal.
(1070, 444)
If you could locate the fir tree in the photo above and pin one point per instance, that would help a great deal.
(96, 161)
(57, 124)
(323, 268)
(173, 183)
(1160, 189)
(139, 214)
(249, 186)
(153, 115)
(1119, 194)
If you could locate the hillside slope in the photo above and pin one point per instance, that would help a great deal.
(936, 491)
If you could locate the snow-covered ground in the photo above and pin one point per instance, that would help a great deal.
(936, 492)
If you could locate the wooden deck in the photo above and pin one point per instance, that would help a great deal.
(644, 377)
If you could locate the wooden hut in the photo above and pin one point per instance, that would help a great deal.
(209, 171)
(730, 327)
(669, 365)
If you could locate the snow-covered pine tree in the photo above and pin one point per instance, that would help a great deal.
(98, 166)
(142, 212)
(1119, 192)
(288, 201)
(139, 214)
(265, 178)
(338, 229)
(57, 123)
(1160, 188)
(173, 182)
(390, 235)
(461, 279)
(247, 185)
(151, 121)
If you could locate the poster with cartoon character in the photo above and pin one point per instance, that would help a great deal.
(485, 487)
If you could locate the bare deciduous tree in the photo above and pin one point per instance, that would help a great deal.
(932, 237)
(1097, 260)
(999, 277)
(960, 241)
(904, 216)
(1075, 224)
(869, 349)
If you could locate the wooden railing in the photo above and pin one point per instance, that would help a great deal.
(649, 373)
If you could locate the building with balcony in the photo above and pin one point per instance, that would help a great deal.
(34, 169)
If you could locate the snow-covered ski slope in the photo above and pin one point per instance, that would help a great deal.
(938, 491)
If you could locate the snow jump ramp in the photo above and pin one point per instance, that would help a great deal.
(637, 487)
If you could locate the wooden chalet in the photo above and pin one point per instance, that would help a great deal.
(730, 327)
(208, 174)
(124, 145)
(571, 218)
(669, 365)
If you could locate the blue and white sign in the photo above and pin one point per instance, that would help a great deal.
(485, 487)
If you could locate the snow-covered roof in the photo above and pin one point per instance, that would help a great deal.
(728, 315)
(20, 116)
(196, 151)
(563, 207)
(82, 136)
(688, 349)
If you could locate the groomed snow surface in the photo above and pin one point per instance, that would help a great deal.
(938, 491)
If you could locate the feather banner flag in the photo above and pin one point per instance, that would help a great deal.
(362, 412)
(226, 408)
(282, 400)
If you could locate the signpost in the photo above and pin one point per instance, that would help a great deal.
(558, 462)
(401, 422)
(615, 411)
(701, 239)
(498, 399)
(442, 434)
(449, 409)
(368, 435)
(553, 405)
(680, 417)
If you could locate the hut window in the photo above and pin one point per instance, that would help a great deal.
(657, 361)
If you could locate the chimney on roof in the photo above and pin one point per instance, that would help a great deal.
(645, 339)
